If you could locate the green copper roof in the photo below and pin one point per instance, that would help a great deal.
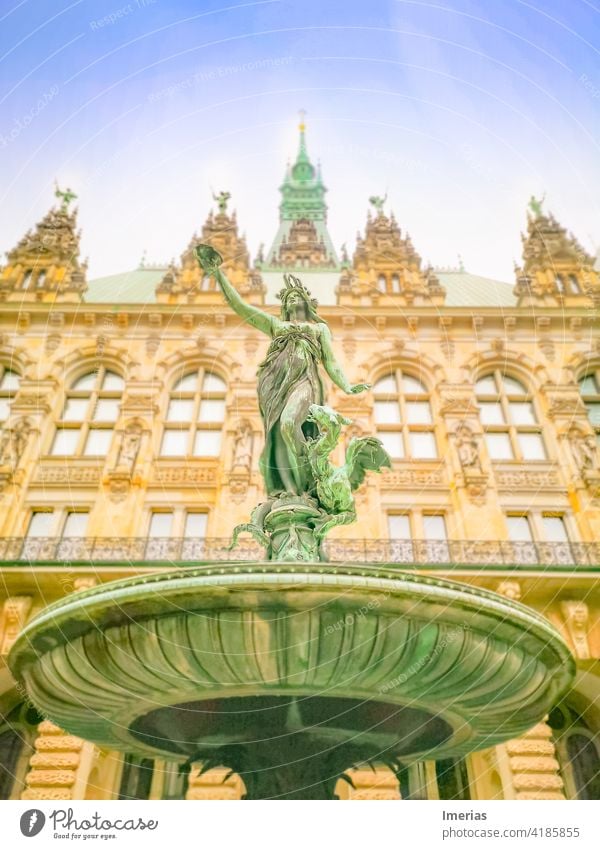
(462, 288)
(471, 290)
(130, 287)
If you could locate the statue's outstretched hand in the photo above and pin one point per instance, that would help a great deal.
(358, 388)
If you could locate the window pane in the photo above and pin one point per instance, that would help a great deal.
(518, 529)
(113, 382)
(594, 414)
(399, 527)
(434, 527)
(97, 443)
(587, 386)
(65, 441)
(532, 446)
(180, 410)
(387, 412)
(175, 443)
(486, 386)
(211, 411)
(498, 445)
(160, 525)
(392, 442)
(554, 529)
(491, 413)
(195, 525)
(75, 524)
(107, 410)
(418, 412)
(213, 383)
(522, 413)
(4, 409)
(386, 386)
(75, 409)
(412, 386)
(513, 387)
(422, 446)
(40, 524)
(189, 383)
(10, 380)
(86, 382)
(207, 443)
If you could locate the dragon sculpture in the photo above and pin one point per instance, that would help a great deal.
(334, 485)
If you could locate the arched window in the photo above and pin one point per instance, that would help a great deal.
(89, 414)
(382, 283)
(9, 384)
(509, 420)
(403, 417)
(195, 416)
(589, 387)
(205, 283)
(41, 279)
(560, 283)
(396, 288)
(578, 749)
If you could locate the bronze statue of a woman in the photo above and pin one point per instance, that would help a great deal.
(288, 379)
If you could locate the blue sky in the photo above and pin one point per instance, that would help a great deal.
(459, 109)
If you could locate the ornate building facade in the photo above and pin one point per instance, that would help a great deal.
(131, 434)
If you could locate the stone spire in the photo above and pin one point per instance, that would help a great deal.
(555, 269)
(386, 265)
(302, 240)
(220, 230)
(45, 265)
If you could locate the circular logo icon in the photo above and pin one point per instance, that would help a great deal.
(32, 822)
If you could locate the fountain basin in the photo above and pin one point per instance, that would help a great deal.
(382, 663)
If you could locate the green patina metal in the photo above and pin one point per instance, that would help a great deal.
(290, 670)
(289, 675)
(307, 496)
(302, 199)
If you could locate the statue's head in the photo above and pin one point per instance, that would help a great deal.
(296, 301)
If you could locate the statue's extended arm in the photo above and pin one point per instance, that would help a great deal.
(333, 368)
(250, 314)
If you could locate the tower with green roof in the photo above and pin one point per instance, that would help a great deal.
(302, 240)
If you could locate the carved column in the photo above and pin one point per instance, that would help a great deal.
(60, 767)
(55, 764)
(532, 767)
(210, 785)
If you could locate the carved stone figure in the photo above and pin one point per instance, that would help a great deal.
(242, 447)
(467, 446)
(576, 615)
(583, 448)
(130, 446)
(13, 443)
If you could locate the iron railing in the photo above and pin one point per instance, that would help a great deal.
(403, 551)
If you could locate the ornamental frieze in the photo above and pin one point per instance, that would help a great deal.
(64, 475)
(412, 477)
(527, 479)
(184, 475)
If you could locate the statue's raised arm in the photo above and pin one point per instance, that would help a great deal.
(210, 261)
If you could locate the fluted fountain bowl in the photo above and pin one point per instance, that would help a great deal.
(363, 661)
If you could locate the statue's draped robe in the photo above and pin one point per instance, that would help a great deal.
(292, 361)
